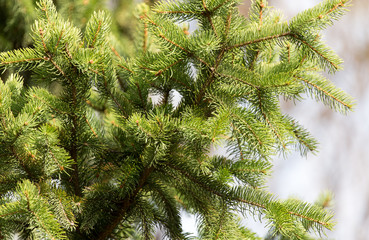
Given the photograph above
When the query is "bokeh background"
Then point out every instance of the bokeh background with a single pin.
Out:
(342, 164)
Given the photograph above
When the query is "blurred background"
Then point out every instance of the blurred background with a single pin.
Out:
(342, 164)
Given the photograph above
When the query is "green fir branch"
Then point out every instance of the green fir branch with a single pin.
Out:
(94, 145)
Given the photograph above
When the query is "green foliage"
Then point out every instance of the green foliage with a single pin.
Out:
(94, 145)
(27, 207)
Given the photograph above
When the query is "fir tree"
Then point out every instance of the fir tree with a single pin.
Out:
(86, 153)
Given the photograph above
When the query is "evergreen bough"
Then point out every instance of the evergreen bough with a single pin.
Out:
(88, 153)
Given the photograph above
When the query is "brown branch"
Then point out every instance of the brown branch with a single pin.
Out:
(174, 12)
(240, 199)
(249, 127)
(94, 71)
(250, 170)
(238, 79)
(55, 160)
(125, 205)
(12, 213)
(313, 49)
(73, 151)
(261, 7)
(88, 123)
(67, 51)
(238, 142)
(124, 114)
(229, 18)
(311, 148)
(182, 48)
(166, 68)
(219, 59)
(47, 104)
(95, 107)
(324, 91)
(60, 70)
(145, 37)
(197, 181)
(175, 44)
(208, 14)
(21, 163)
(251, 203)
(204, 6)
(165, 98)
(220, 5)
(340, 4)
(269, 123)
(46, 13)
(182, 83)
(140, 94)
(210, 80)
(24, 60)
(125, 68)
(308, 218)
(148, 19)
(116, 52)
(34, 213)
(65, 213)
(95, 37)
(259, 40)
(212, 24)
(41, 31)
(60, 36)
(221, 218)
(254, 60)
(289, 212)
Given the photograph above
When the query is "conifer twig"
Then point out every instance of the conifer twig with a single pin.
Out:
(116, 52)
(313, 49)
(125, 205)
(259, 40)
(95, 36)
(140, 94)
(173, 12)
(238, 79)
(268, 121)
(158, 73)
(324, 91)
(220, 5)
(24, 60)
(35, 214)
(228, 24)
(248, 126)
(125, 68)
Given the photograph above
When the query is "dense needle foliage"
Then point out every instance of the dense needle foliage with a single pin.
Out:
(106, 132)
